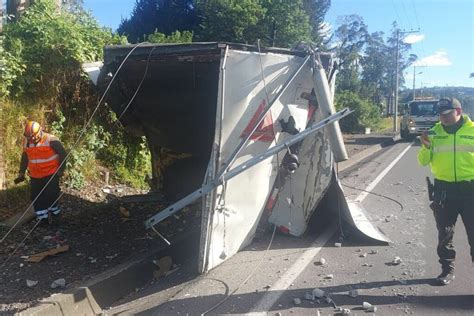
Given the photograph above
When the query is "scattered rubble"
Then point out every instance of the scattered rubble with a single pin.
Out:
(59, 283)
(296, 301)
(353, 293)
(369, 307)
(318, 293)
(395, 262)
(320, 262)
(31, 283)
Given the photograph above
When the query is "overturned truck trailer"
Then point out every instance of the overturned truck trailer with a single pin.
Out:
(238, 129)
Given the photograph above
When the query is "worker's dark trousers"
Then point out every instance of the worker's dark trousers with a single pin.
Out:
(46, 201)
(452, 200)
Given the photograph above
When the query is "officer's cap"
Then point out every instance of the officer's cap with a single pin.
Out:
(446, 105)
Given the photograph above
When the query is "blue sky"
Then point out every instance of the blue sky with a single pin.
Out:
(444, 45)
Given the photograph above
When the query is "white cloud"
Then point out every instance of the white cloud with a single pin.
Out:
(414, 38)
(440, 58)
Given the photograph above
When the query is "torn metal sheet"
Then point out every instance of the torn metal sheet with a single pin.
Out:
(354, 213)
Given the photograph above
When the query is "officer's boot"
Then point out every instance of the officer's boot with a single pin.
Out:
(447, 275)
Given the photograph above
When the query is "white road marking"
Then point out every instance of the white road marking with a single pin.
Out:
(289, 277)
(284, 282)
(372, 185)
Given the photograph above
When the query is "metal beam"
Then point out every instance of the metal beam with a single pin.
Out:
(170, 210)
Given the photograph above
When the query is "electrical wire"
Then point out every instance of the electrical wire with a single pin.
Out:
(81, 134)
(140, 85)
(376, 194)
(246, 279)
(21, 243)
(406, 14)
(228, 295)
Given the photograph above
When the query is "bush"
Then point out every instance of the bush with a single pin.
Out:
(366, 114)
(40, 73)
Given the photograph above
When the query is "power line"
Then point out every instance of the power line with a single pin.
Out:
(406, 14)
(416, 14)
(396, 12)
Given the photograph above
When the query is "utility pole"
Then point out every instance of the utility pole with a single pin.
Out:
(395, 106)
(414, 74)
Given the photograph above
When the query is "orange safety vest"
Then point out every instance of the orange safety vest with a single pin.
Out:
(43, 161)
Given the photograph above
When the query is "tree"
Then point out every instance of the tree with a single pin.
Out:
(163, 16)
(350, 38)
(49, 45)
(229, 21)
(374, 76)
(284, 23)
(316, 10)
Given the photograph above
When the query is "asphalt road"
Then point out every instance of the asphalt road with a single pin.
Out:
(268, 282)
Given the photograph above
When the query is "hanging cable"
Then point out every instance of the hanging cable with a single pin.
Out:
(21, 243)
(81, 134)
(277, 177)
(376, 194)
(247, 278)
(140, 85)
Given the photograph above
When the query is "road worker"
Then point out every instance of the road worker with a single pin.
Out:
(42, 155)
(449, 149)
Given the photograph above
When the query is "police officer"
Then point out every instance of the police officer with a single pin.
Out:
(449, 149)
(43, 155)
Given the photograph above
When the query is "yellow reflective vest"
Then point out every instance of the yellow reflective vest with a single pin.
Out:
(451, 156)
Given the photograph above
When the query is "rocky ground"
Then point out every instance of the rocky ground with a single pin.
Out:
(103, 228)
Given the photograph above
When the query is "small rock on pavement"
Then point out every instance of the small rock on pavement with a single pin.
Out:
(309, 296)
(318, 293)
(58, 283)
(396, 261)
(296, 301)
(31, 283)
(320, 262)
(369, 307)
(344, 311)
(353, 293)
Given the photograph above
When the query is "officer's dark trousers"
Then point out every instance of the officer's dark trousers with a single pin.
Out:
(45, 195)
(452, 200)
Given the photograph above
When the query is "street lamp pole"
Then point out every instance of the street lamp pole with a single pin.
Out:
(414, 76)
(395, 106)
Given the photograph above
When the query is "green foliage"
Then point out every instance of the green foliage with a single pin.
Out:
(231, 21)
(175, 37)
(40, 71)
(284, 23)
(129, 157)
(49, 45)
(81, 163)
(10, 69)
(275, 22)
(163, 16)
(365, 114)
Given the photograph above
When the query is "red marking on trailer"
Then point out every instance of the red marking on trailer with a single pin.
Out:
(264, 131)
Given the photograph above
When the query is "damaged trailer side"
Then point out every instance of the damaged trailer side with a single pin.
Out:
(209, 108)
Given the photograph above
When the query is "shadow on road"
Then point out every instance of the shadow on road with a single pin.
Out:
(237, 303)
